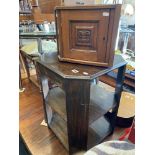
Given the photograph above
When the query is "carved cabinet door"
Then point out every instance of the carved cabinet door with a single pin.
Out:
(84, 35)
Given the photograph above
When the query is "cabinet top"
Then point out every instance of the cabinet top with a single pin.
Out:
(97, 6)
(77, 71)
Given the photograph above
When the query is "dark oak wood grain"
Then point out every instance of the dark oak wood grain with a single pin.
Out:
(66, 70)
(80, 106)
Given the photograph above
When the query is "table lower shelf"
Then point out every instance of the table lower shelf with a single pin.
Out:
(97, 131)
(59, 127)
(101, 101)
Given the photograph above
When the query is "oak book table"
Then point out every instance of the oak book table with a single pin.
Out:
(76, 108)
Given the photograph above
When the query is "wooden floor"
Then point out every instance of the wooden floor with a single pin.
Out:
(39, 139)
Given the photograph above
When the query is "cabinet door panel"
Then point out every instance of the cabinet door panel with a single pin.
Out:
(85, 34)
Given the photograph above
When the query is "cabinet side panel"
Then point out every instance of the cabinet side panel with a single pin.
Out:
(112, 33)
(58, 32)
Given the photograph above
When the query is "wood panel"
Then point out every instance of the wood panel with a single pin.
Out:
(87, 28)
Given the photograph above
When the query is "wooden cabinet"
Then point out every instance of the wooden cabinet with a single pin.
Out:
(76, 108)
(87, 34)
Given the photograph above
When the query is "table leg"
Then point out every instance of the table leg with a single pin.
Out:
(37, 74)
(77, 105)
(39, 46)
(26, 66)
(44, 91)
(118, 91)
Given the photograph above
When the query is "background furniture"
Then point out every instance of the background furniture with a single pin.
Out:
(126, 112)
(110, 79)
(77, 109)
(39, 36)
(87, 34)
(126, 39)
(38, 10)
(27, 59)
(20, 80)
